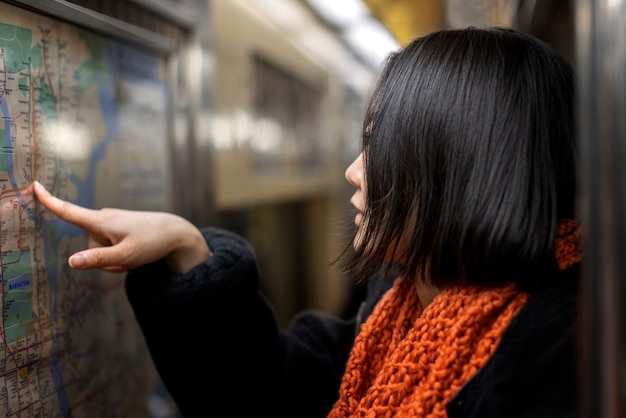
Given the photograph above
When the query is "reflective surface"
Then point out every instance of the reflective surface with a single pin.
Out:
(601, 49)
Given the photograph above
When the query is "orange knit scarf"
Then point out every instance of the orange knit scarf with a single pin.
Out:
(409, 361)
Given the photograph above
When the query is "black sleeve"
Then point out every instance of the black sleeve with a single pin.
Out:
(217, 346)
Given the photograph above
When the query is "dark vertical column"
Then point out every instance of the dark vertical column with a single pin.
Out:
(601, 68)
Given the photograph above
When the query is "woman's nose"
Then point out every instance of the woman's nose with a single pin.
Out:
(354, 172)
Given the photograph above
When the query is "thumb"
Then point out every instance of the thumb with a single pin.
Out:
(105, 258)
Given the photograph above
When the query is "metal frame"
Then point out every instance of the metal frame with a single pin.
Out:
(97, 21)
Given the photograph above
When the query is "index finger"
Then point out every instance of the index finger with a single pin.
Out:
(69, 212)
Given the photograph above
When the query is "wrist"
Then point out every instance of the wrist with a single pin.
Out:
(193, 250)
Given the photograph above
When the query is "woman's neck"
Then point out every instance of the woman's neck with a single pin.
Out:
(426, 293)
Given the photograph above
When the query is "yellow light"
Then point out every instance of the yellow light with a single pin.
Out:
(408, 19)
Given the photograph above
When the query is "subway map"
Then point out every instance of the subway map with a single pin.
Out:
(84, 115)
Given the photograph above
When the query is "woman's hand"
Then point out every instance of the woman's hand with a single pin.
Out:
(120, 240)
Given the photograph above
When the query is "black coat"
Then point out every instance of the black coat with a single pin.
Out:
(217, 346)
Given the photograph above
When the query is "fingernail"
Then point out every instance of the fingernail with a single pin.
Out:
(76, 261)
(39, 186)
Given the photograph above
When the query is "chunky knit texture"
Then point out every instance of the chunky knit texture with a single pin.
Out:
(409, 362)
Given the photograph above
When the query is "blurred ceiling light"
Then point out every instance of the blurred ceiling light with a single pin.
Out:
(371, 41)
(341, 34)
(364, 35)
(615, 4)
(340, 13)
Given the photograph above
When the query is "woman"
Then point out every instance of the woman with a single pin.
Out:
(465, 187)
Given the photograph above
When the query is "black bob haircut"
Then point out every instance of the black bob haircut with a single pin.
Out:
(470, 156)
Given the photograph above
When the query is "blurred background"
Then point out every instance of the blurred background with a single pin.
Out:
(261, 111)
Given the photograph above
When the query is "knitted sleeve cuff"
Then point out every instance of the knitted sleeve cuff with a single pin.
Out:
(231, 271)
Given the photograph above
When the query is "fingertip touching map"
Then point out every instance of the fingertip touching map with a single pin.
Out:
(85, 115)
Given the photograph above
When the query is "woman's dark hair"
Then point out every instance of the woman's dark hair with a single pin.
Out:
(470, 156)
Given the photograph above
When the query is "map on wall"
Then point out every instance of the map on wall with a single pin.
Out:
(85, 115)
